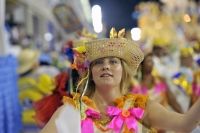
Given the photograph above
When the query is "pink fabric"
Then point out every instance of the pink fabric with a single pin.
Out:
(92, 114)
(196, 89)
(160, 87)
(87, 125)
(118, 120)
(138, 89)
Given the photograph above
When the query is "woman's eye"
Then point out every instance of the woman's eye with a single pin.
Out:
(113, 61)
(97, 62)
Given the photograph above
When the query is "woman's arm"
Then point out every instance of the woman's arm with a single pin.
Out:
(158, 117)
(171, 99)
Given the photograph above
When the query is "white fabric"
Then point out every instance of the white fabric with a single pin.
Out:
(166, 66)
(188, 72)
(196, 130)
(181, 97)
(68, 121)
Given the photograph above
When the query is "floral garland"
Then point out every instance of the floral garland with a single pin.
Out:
(117, 118)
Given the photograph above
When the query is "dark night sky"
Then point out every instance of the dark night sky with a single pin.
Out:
(118, 13)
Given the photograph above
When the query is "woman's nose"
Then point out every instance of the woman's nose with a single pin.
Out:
(106, 66)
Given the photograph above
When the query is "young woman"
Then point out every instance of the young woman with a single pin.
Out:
(105, 105)
(155, 85)
(152, 84)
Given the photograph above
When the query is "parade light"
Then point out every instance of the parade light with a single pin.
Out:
(187, 18)
(97, 18)
(136, 33)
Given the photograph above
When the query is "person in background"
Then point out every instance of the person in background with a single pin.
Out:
(165, 60)
(196, 55)
(196, 73)
(34, 83)
(183, 78)
(152, 84)
(28, 60)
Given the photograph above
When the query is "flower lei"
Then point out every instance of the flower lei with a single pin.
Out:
(118, 116)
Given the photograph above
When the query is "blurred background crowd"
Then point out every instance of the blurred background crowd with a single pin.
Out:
(37, 37)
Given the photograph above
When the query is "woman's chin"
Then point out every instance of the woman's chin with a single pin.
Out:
(107, 85)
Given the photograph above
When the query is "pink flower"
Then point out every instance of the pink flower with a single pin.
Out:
(128, 117)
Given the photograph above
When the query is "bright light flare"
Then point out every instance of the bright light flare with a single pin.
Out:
(136, 33)
(97, 18)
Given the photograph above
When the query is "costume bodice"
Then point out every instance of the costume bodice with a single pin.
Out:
(180, 79)
(183, 89)
(125, 116)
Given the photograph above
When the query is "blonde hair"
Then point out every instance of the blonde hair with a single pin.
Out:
(125, 85)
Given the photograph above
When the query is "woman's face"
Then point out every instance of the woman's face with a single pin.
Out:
(187, 61)
(107, 72)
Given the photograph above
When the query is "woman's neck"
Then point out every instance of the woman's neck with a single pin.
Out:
(147, 80)
(105, 98)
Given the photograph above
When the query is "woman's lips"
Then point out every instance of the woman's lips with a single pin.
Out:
(106, 75)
